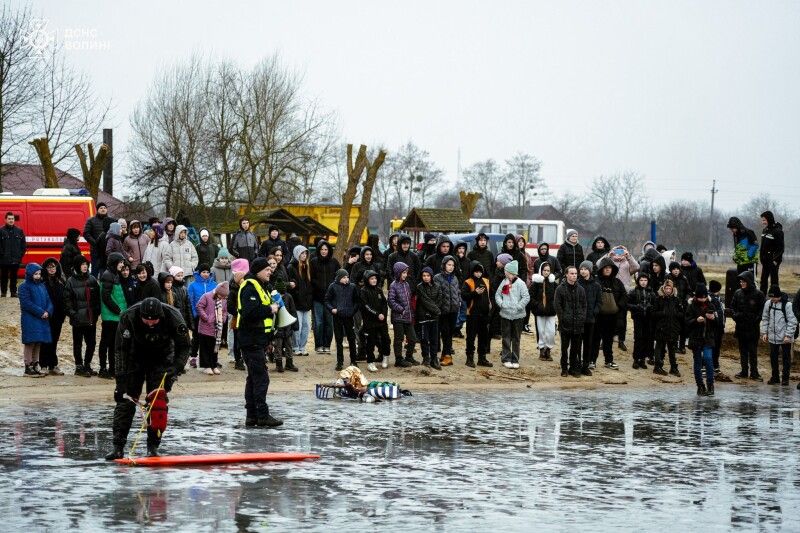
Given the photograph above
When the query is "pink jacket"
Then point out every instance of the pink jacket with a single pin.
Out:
(627, 268)
(206, 316)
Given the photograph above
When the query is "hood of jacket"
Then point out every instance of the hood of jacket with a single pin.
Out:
(328, 257)
(73, 235)
(162, 278)
(178, 229)
(462, 245)
(512, 237)
(735, 223)
(133, 224)
(606, 262)
(404, 237)
(442, 239)
(218, 264)
(645, 250)
(546, 251)
(113, 262)
(748, 278)
(167, 222)
(54, 261)
(475, 266)
(398, 269)
(361, 253)
(447, 258)
(605, 242)
(30, 270)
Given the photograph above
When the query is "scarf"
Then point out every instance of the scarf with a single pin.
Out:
(219, 321)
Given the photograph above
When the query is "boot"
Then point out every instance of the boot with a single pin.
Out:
(250, 421)
(710, 390)
(642, 364)
(470, 361)
(635, 364)
(621, 346)
(547, 356)
(401, 363)
(426, 361)
(435, 364)
(152, 450)
(269, 422)
(660, 371)
(482, 361)
(411, 361)
(674, 372)
(116, 453)
(290, 365)
(701, 390)
(446, 360)
(239, 365)
(279, 364)
(586, 371)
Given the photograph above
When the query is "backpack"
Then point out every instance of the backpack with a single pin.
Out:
(783, 310)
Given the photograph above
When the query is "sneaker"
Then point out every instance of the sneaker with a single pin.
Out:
(586, 371)
(482, 361)
(508, 364)
(385, 362)
(104, 374)
(193, 362)
(372, 368)
(674, 372)
(471, 362)
(217, 371)
(30, 372)
(239, 365)
(305, 354)
(612, 365)
(55, 371)
(446, 360)
(402, 363)
(319, 349)
(410, 359)
(757, 377)
(575, 373)
(592, 366)
(526, 328)
(642, 365)
(79, 370)
(270, 422)
(208, 371)
(515, 366)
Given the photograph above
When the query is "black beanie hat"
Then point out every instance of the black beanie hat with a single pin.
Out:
(101, 204)
(151, 309)
(673, 265)
(714, 286)
(701, 291)
(774, 292)
(203, 267)
(687, 256)
(258, 264)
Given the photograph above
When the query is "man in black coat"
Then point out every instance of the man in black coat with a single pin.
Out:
(482, 254)
(571, 307)
(404, 254)
(746, 309)
(94, 228)
(152, 344)
(12, 249)
(274, 241)
(771, 250)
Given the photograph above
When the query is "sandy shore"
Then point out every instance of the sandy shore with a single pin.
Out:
(320, 369)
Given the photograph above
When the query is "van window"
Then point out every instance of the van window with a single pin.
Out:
(43, 220)
(544, 233)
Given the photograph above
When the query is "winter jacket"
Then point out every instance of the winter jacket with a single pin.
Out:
(484, 256)
(343, 298)
(667, 317)
(520, 256)
(357, 274)
(682, 288)
(244, 245)
(112, 296)
(94, 227)
(70, 251)
(135, 247)
(611, 284)
(597, 254)
(747, 307)
(269, 244)
(570, 306)
(128, 284)
(252, 315)
(33, 303)
(170, 236)
(400, 296)
(180, 252)
(206, 251)
(745, 244)
(569, 255)
(512, 301)
(701, 334)
(778, 320)
(146, 289)
(627, 267)
(323, 272)
(206, 314)
(592, 290)
(640, 302)
(542, 292)
(694, 276)
(220, 272)
(198, 288)
(180, 299)
(450, 289)
(656, 280)
(555, 265)
(154, 254)
(302, 291)
(771, 241)
(392, 248)
(114, 243)
(82, 300)
(373, 303)
(435, 261)
(429, 302)
(411, 260)
(55, 288)
(462, 264)
(647, 258)
(478, 304)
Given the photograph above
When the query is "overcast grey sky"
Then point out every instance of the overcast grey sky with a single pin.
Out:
(682, 91)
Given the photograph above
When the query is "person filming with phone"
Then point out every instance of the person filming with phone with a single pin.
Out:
(627, 266)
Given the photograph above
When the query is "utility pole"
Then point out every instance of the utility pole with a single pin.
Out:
(714, 191)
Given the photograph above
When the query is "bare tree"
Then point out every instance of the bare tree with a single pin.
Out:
(487, 178)
(523, 172)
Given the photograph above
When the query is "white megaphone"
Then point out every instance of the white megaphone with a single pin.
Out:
(285, 318)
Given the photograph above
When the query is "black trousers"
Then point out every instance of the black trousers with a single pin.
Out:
(642, 339)
(8, 278)
(717, 346)
(83, 335)
(622, 323)
(447, 325)
(126, 409)
(403, 331)
(769, 276)
(588, 356)
(48, 358)
(748, 356)
(208, 358)
(429, 339)
(478, 326)
(344, 327)
(376, 336)
(571, 352)
(784, 351)
(108, 334)
(195, 339)
(605, 327)
(237, 350)
(669, 346)
(257, 381)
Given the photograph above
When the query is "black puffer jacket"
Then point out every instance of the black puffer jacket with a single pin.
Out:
(592, 289)
(435, 261)
(611, 283)
(771, 240)
(746, 308)
(596, 254)
(82, 297)
(667, 317)
(55, 288)
(12, 245)
(343, 298)
(70, 251)
(373, 303)
(323, 272)
(409, 258)
(483, 255)
(429, 298)
(362, 265)
(569, 255)
(701, 334)
(96, 226)
(520, 256)
(640, 302)
(570, 305)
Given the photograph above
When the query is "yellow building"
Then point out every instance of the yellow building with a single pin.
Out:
(326, 214)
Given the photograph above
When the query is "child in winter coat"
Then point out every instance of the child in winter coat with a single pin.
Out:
(778, 328)
(497, 278)
(640, 305)
(402, 315)
(429, 310)
(714, 288)
(301, 289)
(374, 311)
(701, 320)
(542, 295)
(341, 299)
(202, 284)
(36, 308)
(282, 341)
(221, 268)
(54, 282)
(112, 304)
(747, 308)
(211, 316)
(70, 251)
(683, 291)
(592, 289)
(450, 303)
(512, 298)
(475, 293)
(613, 298)
(667, 320)
(82, 303)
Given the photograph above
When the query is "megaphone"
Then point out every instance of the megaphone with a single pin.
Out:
(285, 318)
(276, 298)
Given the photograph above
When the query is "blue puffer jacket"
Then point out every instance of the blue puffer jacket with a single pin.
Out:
(33, 302)
(198, 288)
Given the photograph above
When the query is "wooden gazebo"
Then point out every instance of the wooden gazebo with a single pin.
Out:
(423, 219)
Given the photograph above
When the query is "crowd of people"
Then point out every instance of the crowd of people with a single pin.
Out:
(424, 296)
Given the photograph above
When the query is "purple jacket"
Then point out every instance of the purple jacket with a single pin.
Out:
(400, 296)
(206, 318)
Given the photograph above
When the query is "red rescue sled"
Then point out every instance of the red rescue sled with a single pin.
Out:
(215, 459)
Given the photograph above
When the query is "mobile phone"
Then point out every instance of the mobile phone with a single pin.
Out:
(619, 251)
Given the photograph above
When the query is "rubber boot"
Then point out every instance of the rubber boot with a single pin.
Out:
(152, 450)
(116, 453)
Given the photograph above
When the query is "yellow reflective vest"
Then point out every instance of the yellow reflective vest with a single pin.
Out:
(265, 300)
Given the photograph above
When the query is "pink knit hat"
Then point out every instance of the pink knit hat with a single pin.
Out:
(240, 265)
(175, 270)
